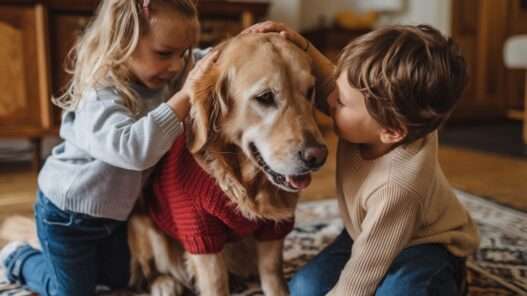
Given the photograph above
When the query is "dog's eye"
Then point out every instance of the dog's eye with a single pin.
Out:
(266, 99)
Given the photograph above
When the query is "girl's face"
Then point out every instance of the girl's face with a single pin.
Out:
(164, 49)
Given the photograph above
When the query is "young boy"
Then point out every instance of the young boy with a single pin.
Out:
(405, 233)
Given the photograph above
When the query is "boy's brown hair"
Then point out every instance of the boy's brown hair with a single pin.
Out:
(411, 77)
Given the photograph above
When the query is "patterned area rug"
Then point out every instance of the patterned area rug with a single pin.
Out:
(499, 268)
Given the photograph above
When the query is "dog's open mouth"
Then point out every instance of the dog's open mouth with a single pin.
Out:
(290, 182)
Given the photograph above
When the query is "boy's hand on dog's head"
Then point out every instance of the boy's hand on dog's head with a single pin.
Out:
(284, 30)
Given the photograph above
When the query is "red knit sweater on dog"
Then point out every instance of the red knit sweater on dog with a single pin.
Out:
(189, 206)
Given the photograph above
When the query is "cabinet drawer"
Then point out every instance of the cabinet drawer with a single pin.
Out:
(21, 98)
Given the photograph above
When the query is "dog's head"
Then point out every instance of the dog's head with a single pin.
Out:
(257, 97)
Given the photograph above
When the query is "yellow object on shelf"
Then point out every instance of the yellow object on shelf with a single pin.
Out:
(352, 20)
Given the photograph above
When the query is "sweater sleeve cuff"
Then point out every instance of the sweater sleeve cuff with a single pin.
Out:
(167, 119)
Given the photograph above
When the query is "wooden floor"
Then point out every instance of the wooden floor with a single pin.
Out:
(498, 177)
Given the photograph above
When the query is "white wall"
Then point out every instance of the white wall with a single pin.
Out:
(316, 13)
(432, 12)
(303, 15)
(287, 11)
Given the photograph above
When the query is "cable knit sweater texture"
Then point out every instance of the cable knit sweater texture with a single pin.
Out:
(398, 200)
(189, 206)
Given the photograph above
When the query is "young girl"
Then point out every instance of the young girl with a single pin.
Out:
(116, 126)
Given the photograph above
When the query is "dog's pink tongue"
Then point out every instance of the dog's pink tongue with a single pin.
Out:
(300, 182)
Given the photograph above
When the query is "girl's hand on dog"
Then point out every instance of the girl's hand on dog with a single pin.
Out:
(180, 102)
(284, 30)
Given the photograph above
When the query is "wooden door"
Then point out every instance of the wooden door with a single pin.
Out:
(515, 78)
(24, 95)
(479, 27)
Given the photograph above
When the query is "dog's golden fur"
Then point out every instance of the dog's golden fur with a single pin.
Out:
(226, 120)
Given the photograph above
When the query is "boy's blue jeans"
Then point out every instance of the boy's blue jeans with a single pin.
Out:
(419, 270)
(78, 253)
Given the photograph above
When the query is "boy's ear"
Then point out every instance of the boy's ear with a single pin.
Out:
(392, 136)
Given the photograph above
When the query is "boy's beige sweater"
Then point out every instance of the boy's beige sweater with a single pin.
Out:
(392, 202)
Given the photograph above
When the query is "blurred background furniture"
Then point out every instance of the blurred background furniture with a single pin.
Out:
(515, 57)
(480, 27)
(25, 108)
(35, 38)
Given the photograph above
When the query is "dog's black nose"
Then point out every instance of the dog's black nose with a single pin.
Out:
(314, 156)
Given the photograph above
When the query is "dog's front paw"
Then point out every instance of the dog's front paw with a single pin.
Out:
(165, 285)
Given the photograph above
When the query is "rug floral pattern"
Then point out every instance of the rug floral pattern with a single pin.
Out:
(499, 267)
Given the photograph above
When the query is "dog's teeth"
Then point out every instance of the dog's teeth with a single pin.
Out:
(279, 179)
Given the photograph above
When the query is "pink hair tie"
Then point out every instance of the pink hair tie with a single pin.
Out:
(146, 3)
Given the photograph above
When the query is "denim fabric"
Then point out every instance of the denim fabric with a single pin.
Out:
(78, 253)
(428, 269)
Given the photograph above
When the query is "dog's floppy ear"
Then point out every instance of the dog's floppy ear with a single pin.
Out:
(208, 105)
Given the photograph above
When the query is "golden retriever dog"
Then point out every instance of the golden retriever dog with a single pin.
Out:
(252, 129)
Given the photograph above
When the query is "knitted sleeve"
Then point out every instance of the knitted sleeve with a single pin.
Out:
(104, 127)
(392, 213)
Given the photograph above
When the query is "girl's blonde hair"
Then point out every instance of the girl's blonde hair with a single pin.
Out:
(99, 56)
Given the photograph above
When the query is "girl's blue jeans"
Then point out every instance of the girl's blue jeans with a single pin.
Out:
(78, 253)
(428, 269)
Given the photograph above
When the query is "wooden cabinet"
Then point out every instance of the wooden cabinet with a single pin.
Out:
(23, 110)
(35, 38)
(24, 79)
(480, 27)
(222, 19)
(515, 79)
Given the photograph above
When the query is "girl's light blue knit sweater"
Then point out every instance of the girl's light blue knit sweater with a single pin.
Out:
(107, 153)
